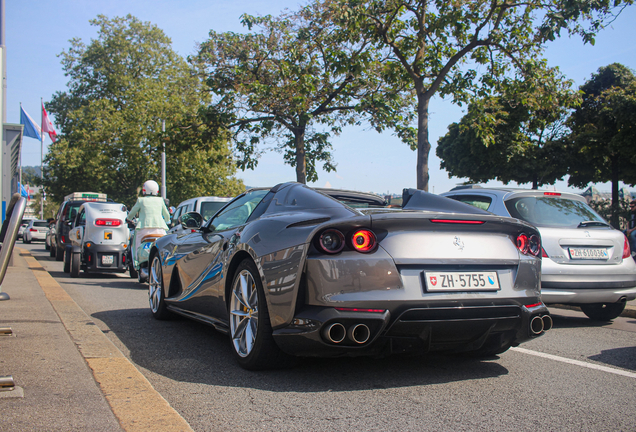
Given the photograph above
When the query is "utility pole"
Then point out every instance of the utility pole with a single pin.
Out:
(163, 163)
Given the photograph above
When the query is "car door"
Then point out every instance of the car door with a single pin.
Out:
(203, 255)
(76, 233)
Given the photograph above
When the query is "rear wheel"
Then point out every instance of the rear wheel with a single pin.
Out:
(131, 266)
(250, 329)
(603, 311)
(52, 250)
(75, 264)
(59, 253)
(156, 294)
(67, 261)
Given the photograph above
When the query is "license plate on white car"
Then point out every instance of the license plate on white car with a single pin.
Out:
(461, 281)
(589, 253)
(107, 259)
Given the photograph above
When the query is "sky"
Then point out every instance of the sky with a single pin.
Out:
(38, 31)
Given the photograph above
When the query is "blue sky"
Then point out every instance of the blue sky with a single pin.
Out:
(37, 31)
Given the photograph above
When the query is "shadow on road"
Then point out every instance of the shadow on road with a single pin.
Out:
(187, 351)
(620, 357)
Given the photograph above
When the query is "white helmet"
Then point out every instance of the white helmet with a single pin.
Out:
(150, 188)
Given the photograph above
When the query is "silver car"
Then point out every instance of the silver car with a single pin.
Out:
(586, 262)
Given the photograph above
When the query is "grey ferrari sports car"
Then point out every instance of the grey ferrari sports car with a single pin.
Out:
(291, 271)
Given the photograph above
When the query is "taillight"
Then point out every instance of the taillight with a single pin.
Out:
(627, 253)
(331, 241)
(33, 230)
(363, 240)
(458, 221)
(107, 222)
(63, 239)
(544, 254)
(344, 309)
(552, 193)
(522, 243)
(529, 245)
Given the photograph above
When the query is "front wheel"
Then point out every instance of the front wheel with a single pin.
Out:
(75, 264)
(156, 294)
(250, 329)
(603, 311)
(67, 261)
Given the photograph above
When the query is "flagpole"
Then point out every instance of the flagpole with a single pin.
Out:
(42, 162)
(20, 164)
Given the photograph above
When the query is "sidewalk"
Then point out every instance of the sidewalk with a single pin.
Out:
(55, 389)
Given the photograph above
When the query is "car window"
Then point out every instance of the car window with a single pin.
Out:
(42, 224)
(175, 216)
(209, 208)
(482, 202)
(238, 211)
(551, 211)
(81, 218)
(71, 211)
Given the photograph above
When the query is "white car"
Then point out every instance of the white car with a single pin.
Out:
(585, 262)
(35, 230)
(205, 206)
(98, 239)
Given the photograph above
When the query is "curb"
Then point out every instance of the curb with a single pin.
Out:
(132, 398)
(629, 312)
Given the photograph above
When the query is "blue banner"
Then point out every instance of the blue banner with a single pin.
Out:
(31, 128)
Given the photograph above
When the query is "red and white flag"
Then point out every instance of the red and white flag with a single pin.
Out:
(47, 126)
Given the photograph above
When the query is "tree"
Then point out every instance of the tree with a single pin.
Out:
(604, 132)
(461, 48)
(122, 86)
(516, 135)
(298, 80)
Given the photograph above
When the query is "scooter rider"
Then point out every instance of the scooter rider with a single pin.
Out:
(152, 212)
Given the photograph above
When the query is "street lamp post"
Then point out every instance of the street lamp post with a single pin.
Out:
(163, 163)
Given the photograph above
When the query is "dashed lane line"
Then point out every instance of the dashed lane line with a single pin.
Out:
(133, 400)
(575, 362)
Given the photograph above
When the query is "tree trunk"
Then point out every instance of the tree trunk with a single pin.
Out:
(423, 146)
(535, 181)
(615, 204)
(301, 164)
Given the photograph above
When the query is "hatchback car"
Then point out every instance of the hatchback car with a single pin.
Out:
(586, 262)
(35, 230)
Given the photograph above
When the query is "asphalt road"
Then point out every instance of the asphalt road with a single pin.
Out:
(580, 376)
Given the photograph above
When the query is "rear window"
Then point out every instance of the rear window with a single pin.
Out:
(551, 211)
(481, 202)
(209, 209)
(43, 224)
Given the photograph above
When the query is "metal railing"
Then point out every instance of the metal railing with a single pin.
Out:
(9, 236)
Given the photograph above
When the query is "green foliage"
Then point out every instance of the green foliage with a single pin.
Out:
(463, 48)
(122, 85)
(604, 131)
(296, 80)
(31, 175)
(516, 135)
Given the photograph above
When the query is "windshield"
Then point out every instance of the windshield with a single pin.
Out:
(209, 208)
(552, 211)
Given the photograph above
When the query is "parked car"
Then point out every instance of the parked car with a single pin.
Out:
(23, 226)
(205, 206)
(289, 271)
(99, 238)
(586, 262)
(66, 214)
(35, 230)
(50, 238)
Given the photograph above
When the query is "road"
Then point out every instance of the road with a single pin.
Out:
(580, 376)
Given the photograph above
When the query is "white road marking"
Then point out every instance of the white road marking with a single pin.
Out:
(575, 362)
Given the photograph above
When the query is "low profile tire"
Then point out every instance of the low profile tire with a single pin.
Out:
(603, 311)
(156, 294)
(67, 262)
(75, 264)
(250, 329)
(59, 253)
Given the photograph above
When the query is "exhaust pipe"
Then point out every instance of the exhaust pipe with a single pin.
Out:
(547, 322)
(536, 325)
(359, 333)
(335, 333)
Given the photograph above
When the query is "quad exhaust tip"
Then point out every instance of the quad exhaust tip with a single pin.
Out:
(357, 333)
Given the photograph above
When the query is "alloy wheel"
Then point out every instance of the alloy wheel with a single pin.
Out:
(155, 285)
(244, 313)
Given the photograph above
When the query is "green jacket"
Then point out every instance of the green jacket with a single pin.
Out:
(152, 213)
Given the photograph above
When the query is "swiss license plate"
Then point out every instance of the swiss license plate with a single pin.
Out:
(107, 259)
(461, 281)
(589, 253)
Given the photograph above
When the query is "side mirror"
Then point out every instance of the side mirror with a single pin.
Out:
(191, 220)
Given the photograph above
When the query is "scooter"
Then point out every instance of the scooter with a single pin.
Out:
(138, 259)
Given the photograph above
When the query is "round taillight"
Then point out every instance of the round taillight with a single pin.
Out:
(534, 245)
(522, 243)
(363, 240)
(331, 241)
